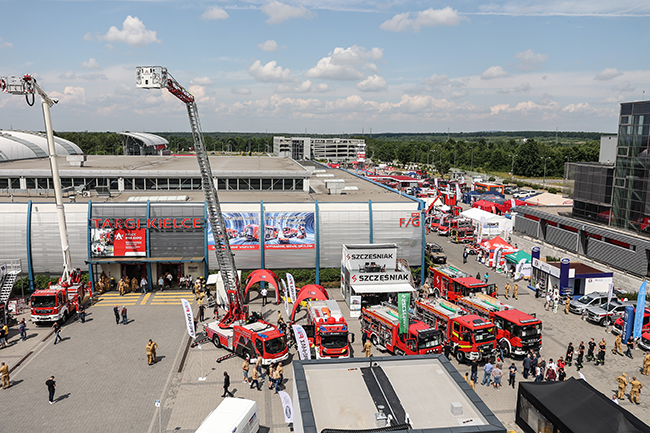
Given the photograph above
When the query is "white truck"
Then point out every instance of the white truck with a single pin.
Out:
(233, 415)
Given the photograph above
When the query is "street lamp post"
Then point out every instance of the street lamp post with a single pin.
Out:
(512, 166)
(545, 158)
(472, 159)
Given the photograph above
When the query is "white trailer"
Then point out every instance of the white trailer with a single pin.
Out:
(233, 415)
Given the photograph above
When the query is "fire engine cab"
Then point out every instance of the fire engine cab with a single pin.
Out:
(470, 336)
(57, 303)
(327, 330)
(452, 283)
(380, 323)
(521, 331)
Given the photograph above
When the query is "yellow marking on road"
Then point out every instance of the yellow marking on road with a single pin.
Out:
(112, 304)
(145, 299)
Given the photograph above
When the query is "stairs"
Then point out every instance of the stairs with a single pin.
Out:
(13, 270)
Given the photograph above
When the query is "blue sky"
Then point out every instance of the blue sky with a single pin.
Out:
(329, 66)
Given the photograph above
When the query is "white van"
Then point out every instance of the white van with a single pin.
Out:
(233, 415)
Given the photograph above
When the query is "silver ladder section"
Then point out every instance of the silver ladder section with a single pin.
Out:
(13, 270)
(222, 245)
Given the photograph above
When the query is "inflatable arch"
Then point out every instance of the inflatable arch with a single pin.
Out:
(310, 291)
(266, 276)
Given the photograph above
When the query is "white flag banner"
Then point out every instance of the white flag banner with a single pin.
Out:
(286, 298)
(512, 203)
(458, 194)
(287, 407)
(292, 287)
(610, 293)
(435, 181)
(187, 310)
(302, 342)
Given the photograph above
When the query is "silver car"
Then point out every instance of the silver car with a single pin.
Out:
(607, 314)
(594, 299)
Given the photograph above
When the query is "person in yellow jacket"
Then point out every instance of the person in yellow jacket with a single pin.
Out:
(636, 388)
(567, 304)
(617, 345)
(368, 348)
(646, 364)
(151, 352)
(120, 286)
(4, 371)
(507, 289)
(622, 383)
(515, 291)
(135, 285)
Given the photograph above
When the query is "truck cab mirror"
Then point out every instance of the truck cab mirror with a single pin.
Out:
(351, 337)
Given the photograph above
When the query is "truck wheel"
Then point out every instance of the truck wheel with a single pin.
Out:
(399, 352)
(436, 293)
(460, 356)
(605, 321)
(215, 340)
(374, 341)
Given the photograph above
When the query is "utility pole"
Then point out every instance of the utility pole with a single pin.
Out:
(512, 166)
(472, 159)
(545, 158)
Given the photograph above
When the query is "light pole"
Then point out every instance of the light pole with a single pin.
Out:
(545, 158)
(472, 159)
(512, 166)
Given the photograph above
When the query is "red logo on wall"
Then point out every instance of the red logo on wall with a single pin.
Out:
(129, 242)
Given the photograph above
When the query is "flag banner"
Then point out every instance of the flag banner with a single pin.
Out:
(292, 287)
(187, 310)
(403, 302)
(286, 298)
(302, 342)
(287, 407)
(640, 309)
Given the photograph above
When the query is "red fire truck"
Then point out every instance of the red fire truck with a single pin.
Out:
(327, 330)
(58, 302)
(380, 323)
(645, 327)
(521, 331)
(452, 283)
(251, 232)
(470, 336)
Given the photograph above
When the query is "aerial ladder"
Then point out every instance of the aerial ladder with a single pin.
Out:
(157, 77)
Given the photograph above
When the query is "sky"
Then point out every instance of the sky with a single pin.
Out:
(329, 66)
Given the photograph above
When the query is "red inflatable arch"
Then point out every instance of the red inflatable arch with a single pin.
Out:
(266, 276)
(310, 291)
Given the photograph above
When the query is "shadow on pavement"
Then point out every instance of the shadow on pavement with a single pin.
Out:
(62, 397)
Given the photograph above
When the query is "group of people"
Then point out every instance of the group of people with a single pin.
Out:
(254, 375)
(122, 313)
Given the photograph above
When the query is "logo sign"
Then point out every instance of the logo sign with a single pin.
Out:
(412, 221)
(302, 342)
(403, 301)
(189, 319)
(286, 406)
(157, 403)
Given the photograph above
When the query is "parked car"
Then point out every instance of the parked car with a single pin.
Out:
(524, 193)
(435, 253)
(607, 314)
(511, 190)
(594, 299)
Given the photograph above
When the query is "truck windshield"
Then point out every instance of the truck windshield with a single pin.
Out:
(275, 345)
(585, 299)
(334, 341)
(482, 335)
(427, 340)
(529, 331)
(43, 301)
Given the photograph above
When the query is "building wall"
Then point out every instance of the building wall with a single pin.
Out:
(608, 149)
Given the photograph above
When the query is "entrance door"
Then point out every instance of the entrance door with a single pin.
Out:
(175, 269)
(134, 271)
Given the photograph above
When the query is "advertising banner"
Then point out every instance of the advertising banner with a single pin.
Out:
(302, 342)
(287, 407)
(118, 242)
(355, 306)
(370, 260)
(640, 309)
(243, 231)
(403, 301)
(286, 298)
(289, 230)
(292, 287)
(189, 319)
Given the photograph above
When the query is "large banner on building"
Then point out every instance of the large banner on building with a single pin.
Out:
(243, 231)
(289, 230)
(119, 242)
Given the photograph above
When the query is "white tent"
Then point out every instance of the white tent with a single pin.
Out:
(492, 225)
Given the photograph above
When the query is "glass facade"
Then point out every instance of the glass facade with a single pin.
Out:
(631, 207)
(592, 196)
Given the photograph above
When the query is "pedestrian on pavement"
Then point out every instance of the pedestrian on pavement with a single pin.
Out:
(527, 364)
(602, 346)
(51, 384)
(636, 388)
(469, 381)
(539, 374)
(226, 385)
(547, 304)
(497, 374)
(630, 347)
(57, 332)
(590, 351)
(161, 283)
(556, 302)
(646, 364)
(485, 278)
(124, 317)
(581, 355)
(216, 311)
(277, 378)
(259, 368)
(447, 349)
(507, 289)
(614, 399)
(82, 314)
(622, 383)
(478, 276)
(368, 348)
(3, 337)
(617, 345)
(515, 291)
(245, 367)
(23, 330)
(569, 354)
(116, 311)
(503, 347)
(255, 379)
(201, 312)
(550, 374)
(4, 371)
(487, 373)
(567, 304)
(271, 376)
(538, 290)
(561, 375)
(151, 352)
(143, 285)
(511, 378)
(474, 368)
(264, 293)
(465, 254)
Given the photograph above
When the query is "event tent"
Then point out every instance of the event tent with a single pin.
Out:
(519, 264)
(497, 249)
(492, 225)
(485, 205)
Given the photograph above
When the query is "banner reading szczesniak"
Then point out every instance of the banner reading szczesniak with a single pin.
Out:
(302, 342)
(187, 311)
(403, 301)
(292, 287)
(287, 407)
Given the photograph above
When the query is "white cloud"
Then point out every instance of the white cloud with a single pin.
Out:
(607, 74)
(305, 87)
(91, 64)
(427, 18)
(529, 60)
(523, 87)
(456, 95)
(494, 72)
(567, 8)
(240, 91)
(93, 77)
(133, 33)
(269, 45)
(280, 12)
(582, 107)
(373, 83)
(436, 80)
(4, 44)
(202, 81)
(625, 86)
(71, 95)
(270, 73)
(215, 13)
(70, 75)
(503, 91)
(342, 63)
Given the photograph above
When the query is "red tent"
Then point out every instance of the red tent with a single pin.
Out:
(509, 204)
(491, 246)
(267, 276)
(310, 291)
(486, 206)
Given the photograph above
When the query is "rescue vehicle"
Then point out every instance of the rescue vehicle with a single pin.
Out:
(644, 342)
(452, 283)
(327, 330)
(59, 301)
(380, 323)
(470, 336)
(521, 331)
(618, 324)
(251, 232)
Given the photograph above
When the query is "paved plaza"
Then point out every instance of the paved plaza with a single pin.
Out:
(104, 383)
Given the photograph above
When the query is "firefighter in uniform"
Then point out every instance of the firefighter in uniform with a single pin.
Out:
(602, 348)
(120, 286)
(622, 383)
(367, 347)
(646, 364)
(515, 291)
(135, 285)
(4, 371)
(636, 388)
(151, 352)
(566, 305)
(617, 345)
(507, 289)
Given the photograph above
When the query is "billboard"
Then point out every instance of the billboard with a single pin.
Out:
(243, 230)
(289, 230)
(118, 242)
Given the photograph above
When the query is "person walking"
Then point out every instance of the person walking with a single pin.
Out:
(550, 375)
(487, 373)
(368, 348)
(245, 367)
(474, 368)
(602, 347)
(82, 314)
(255, 379)
(630, 347)
(556, 301)
(226, 385)
(511, 378)
(57, 332)
(569, 354)
(646, 364)
(151, 352)
(561, 374)
(264, 294)
(161, 283)
(636, 388)
(515, 291)
(497, 374)
(507, 289)
(469, 381)
(590, 351)
(539, 374)
(485, 278)
(124, 316)
(622, 383)
(201, 312)
(548, 299)
(143, 285)
(51, 385)
(271, 376)
(23, 330)
(527, 364)
(277, 378)
(503, 347)
(567, 304)
(4, 371)
(617, 345)
(116, 311)
(465, 254)
(581, 355)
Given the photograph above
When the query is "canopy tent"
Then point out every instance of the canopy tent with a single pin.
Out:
(519, 264)
(263, 275)
(496, 249)
(509, 204)
(487, 206)
(488, 224)
(571, 406)
(310, 291)
(469, 196)
(518, 256)
(496, 242)
(548, 199)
